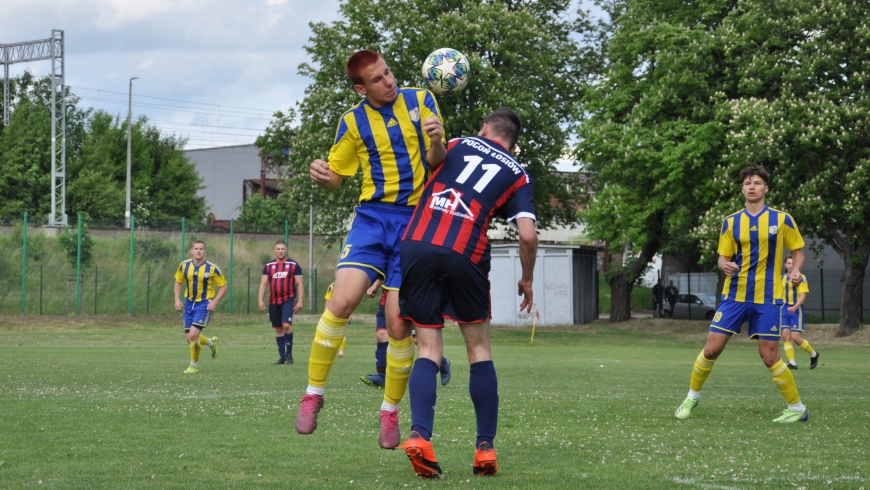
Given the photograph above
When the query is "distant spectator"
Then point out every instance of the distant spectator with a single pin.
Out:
(657, 291)
(671, 294)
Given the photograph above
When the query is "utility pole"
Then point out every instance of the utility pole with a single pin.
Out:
(129, 133)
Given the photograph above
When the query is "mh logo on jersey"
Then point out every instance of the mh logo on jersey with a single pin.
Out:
(449, 201)
(279, 275)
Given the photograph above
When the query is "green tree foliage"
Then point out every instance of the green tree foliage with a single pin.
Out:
(652, 134)
(524, 55)
(265, 214)
(25, 146)
(801, 111)
(69, 243)
(164, 183)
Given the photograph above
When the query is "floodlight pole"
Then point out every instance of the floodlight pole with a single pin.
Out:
(129, 133)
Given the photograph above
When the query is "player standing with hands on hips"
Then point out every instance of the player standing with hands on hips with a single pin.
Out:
(397, 137)
(200, 277)
(446, 263)
(750, 254)
(283, 278)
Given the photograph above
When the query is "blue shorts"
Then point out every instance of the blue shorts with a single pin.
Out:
(196, 314)
(282, 313)
(793, 321)
(763, 319)
(374, 240)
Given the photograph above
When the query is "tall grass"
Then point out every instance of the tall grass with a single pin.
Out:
(105, 287)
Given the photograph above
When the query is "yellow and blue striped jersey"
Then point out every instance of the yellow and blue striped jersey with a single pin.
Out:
(791, 291)
(390, 145)
(755, 243)
(200, 280)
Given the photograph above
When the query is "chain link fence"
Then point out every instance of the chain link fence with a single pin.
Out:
(103, 268)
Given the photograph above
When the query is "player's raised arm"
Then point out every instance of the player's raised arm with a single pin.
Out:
(727, 266)
(323, 176)
(437, 152)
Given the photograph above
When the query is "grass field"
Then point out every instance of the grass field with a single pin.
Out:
(101, 403)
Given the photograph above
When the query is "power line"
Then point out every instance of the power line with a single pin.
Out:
(173, 108)
(177, 100)
(200, 125)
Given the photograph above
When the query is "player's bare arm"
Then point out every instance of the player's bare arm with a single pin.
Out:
(323, 176)
(178, 304)
(528, 253)
(727, 266)
(801, 298)
(437, 152)
(220, 294)
(797, 257)
(264, 283)
(300, 293)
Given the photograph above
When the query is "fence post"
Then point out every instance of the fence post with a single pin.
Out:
(96, 284)
(24, 268)
(40, 289)
(822, 286)
(79, 269)
(130, 291)
(232, 235)
(148, 294)
(689, 293)
(249, 292)
(286, 232)
(183, 229)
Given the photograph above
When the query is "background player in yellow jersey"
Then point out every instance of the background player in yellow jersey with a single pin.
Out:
(750, 254)
(200, 278)
(793, 317)
(396, 136)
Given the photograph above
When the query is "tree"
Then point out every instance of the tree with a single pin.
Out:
(25, 146)
(523, 54)
(651, 133)
(266, 214)
(802, 112)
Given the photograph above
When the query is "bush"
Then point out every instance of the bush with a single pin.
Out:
(69, 243)
(153, 248)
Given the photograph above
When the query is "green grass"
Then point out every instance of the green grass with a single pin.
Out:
(102, 403)
(106, 285)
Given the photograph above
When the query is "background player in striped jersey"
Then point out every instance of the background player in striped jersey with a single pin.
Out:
(750, 254)
(445, 261)
(283, 277)
(793, 317)
(396, 136)
(200, 278)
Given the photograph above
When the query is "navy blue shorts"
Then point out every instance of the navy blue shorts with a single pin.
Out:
(282, 313)
(373, 242)
(440, 283)
(793, 321)
(196, 314)
(763, 319)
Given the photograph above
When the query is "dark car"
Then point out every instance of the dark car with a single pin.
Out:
(703, 306)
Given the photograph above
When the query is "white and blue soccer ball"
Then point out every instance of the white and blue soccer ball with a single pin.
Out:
(446, 71)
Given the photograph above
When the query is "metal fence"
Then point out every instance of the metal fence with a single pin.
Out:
(131, 271)
(822, 303)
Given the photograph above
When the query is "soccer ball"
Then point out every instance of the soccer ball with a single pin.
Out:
(446, 70)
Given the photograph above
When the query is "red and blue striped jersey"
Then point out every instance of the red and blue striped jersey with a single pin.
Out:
(282, 279)
(478, 180)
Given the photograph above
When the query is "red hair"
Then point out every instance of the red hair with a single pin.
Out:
(359, 62)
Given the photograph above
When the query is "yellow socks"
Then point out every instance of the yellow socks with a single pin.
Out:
(702, 369)
(343, 343)
(194, 351)
(203, 340)
(788, 347)
(784, 380)
(400, 358)
(328, 336)
(807, 348)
